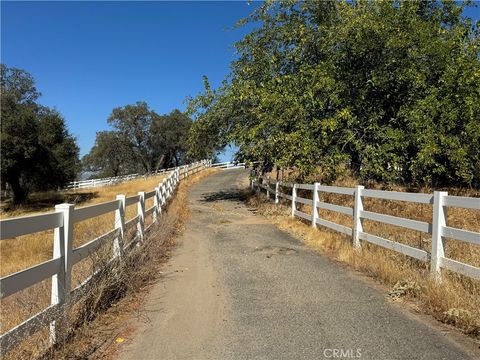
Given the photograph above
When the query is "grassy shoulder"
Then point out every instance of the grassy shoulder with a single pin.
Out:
(455, 301)
(98, 319)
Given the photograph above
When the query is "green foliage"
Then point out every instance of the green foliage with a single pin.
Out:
(37, 151)
(170, 134)
(60, 162)
(389, 89)
(110, 156)
(208, 134)
(142, 141)
(134, 123)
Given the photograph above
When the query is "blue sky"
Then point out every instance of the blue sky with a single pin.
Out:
(89, 57)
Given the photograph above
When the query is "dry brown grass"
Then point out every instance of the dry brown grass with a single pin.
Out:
(456, 300)
(137, 269)
(28, 250)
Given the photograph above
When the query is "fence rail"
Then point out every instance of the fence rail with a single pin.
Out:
(91, 183)
(229, 165)
(59, 268)
(438, 228)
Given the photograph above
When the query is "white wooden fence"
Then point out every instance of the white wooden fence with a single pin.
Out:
(229, 165)
(92, 183)
(59, 268)
(438, 228)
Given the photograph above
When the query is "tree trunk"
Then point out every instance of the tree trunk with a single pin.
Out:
(19, 193)
(159, 162)
(176, 158)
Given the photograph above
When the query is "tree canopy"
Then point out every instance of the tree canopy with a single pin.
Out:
(37, 151)
(387, 89)
(133, 122)
(170, 135)
(110, 156)
(142, 141)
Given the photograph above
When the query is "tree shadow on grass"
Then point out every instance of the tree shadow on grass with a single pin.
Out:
(47, 200)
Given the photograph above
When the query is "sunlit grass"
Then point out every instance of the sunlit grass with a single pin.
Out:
(28, 250)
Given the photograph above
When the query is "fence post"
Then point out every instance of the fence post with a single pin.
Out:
(167, 189)
(61, 282)
(277, 191)
(315, 200)
(119, 224)
(156, 205)
(141, 213)
(438, 222)
(159, 199)
(164, 193)
(294, 198)
(268, 187)
(357, 220)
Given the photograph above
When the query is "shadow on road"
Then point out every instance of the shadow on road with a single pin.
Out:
(230, 195)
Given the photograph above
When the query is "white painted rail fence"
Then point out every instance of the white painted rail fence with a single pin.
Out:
(438, 228)
(229, 165)
(59, 268)
(92, 183)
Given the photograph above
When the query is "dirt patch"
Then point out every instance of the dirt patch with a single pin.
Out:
(218, 207)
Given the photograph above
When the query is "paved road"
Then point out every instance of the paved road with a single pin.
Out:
(238, 288)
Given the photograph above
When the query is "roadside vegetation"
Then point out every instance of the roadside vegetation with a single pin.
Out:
(121, 285)
(455, 301)
(385, 90)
